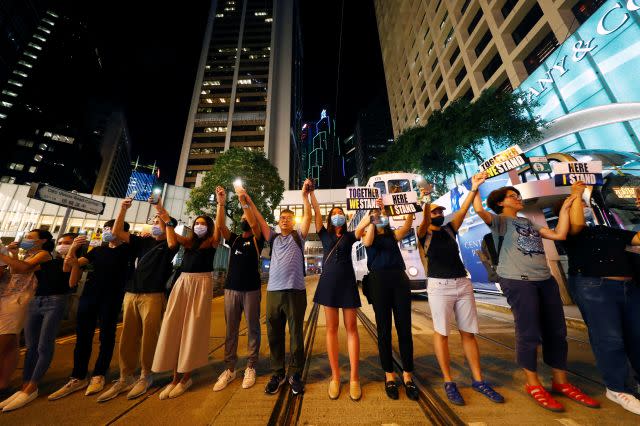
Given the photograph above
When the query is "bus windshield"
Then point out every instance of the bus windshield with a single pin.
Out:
(399, 185)
(409, 242)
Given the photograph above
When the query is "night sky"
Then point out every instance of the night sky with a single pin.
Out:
(150, 54)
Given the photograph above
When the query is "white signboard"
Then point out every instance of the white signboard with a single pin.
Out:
(568, 173)
(53, 195)
(401, 203)
(361, 197)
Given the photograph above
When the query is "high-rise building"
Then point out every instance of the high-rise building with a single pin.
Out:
(321, 153)
(47, 116)
(576, 59)
(111, 134)
(247, 89)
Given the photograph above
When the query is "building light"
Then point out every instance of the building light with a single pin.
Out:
(32, 169)
(244, 81)
(21, 73)
(223, 100)
(207, 67)
(31, 55)
(50, 13)
(6, 104)
(25, 64)
(35, 46)
(237, 100)
(219, 15)
(9, 93)
(43, 29)
(38, 157)
(268, 19)
(43, 146)
(229, 9)
(209, 101)
(261, 13)
(3, 115)
(204, 92)
(39, 37)
(48, 134)
(47, 21)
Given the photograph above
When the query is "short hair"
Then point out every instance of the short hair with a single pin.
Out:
(498, 196)
(68, 234)
(291, 212)
(110, 223)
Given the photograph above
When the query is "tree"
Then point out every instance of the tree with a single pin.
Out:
(457, 133)
(259, 177)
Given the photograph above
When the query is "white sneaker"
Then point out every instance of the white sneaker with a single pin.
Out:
(95, 386)
(180, 388)
(224, 379)
(140, 387)
(20, 401)
(166, 391)
(249, 378)
(72, 386)
(121, 385)
(626, 400)
(8, 400)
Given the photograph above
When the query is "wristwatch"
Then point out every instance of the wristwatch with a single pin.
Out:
(172, 222)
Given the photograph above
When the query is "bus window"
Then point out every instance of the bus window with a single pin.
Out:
(381, 187)
(409, 242)
(399, 185)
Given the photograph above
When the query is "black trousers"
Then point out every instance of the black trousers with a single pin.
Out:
(91, 309)
(391, 296)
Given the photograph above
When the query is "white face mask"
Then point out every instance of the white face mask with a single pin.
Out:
(63, 249)
(200, 230)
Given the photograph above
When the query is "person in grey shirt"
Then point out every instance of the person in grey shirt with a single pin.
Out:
(532, 292)
(286, 294)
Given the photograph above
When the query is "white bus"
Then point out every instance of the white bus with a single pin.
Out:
(388, 182)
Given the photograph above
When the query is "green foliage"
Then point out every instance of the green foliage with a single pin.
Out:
(456, 134)
(259, 177)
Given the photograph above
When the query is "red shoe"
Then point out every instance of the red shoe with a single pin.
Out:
(574, 393)
(543, 398)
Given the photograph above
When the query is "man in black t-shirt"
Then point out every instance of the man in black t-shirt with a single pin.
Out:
(601, 281)
(143, 301)
(242, 290)
(101, 301)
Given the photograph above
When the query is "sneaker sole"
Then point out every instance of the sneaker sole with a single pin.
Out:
(615, 400)
(277, 389)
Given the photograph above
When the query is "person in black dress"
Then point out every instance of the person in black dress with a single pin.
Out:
(337, 289)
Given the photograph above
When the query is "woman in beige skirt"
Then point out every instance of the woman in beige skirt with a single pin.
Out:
(183, 344)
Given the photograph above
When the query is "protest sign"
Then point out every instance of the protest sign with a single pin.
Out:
(401, 203)
(568, 173)
(362, 197)
(504, 161)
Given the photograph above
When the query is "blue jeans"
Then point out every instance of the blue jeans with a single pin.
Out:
(40, 331)
(611, 310)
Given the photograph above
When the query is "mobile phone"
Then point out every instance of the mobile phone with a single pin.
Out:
(132, 195)
(19, 237)
(82, 232)
(237, 184)
(155, 196)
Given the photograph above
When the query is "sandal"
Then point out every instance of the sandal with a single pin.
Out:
(451, 389)
(543, 398)
(484, 388)
(391, 388)
(572, 392)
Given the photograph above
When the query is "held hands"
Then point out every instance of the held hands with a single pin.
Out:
(380, 204)
(13, 247)
(477, 180)
(566, 205)
(578, 188)
(306, 187)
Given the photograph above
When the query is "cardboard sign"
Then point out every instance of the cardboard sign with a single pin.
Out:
(362, 197)
(540, 165)
(509, 159)
(401, 203)
(568, 173)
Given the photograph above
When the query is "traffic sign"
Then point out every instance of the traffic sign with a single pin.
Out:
(53, 195)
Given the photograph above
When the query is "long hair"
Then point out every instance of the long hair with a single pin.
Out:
(331, 229)
(49, 244)
(197, 241)
(387, 228)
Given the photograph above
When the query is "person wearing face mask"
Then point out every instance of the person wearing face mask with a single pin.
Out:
(15, 294)
(337, 289)
(144, 300)
(46, 310)
(183, 344)
(390, 293)
(241, 290)
(602, 284)
(100, 302)
(532, 292)
(451, 294)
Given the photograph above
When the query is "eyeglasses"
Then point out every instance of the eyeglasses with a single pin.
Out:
(515, 196)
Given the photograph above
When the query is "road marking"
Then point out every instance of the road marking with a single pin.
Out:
(568, 422)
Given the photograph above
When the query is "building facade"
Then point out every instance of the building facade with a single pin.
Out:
(576, 58)
(247, 88)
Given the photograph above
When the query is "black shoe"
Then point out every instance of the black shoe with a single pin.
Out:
(391, 388)
(411, 390)
(274, 384)
(296, 384)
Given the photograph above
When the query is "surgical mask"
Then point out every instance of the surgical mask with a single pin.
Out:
(338, 219)
(27, 244)
(107, 236)
(63, 249)
(156, 230)
(437, 221)
(244, 226)
(384, 221)
(200, 230)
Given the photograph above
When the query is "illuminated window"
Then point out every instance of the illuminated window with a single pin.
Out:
(35, 46)
(260, 13)
(7, 179)
(47, 21)
(38, 157)
(32, 169)
(245, 81)
(25, 63)
(20, 73)
(50, 13)
(15, 83)
(223, 100)
(31, 55)
(209, 100)
(6, 104)
(3, 115)
(39, 37)
(24, 142)
(16, 166)
(219, 15)
(229, 9)
(43, 146)
(9, 93)
(43, 29)
(268, 20)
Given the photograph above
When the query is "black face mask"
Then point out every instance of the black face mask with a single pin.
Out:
(437, 221)
(244, 225)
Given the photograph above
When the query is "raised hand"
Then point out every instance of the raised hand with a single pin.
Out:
(578, 188)
(221, 195)
(566, 205)
(477, 180)
(380, 204)
(126, 203)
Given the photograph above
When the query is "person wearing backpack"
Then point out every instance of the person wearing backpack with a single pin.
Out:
(241, 290)
(286, 293)
(451, 293)
(532, 292)
(601, 281)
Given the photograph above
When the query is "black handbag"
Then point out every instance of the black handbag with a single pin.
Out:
(172, 280)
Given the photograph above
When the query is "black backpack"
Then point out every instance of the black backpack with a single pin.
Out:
(488, 254)
(299, 242)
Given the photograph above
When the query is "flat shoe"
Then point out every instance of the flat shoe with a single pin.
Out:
(166, 391)
(391, 388)
(411, 390)
(20, 401)
(355, 391)
(8, 400)
(334, 389)
(180, 389)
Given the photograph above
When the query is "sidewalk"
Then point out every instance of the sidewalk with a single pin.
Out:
(499, 303)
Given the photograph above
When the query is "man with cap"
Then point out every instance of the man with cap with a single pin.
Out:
(451, 293)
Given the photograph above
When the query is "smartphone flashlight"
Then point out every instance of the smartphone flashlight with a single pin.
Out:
(155, 197)
(19, 236)
(237, 184)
